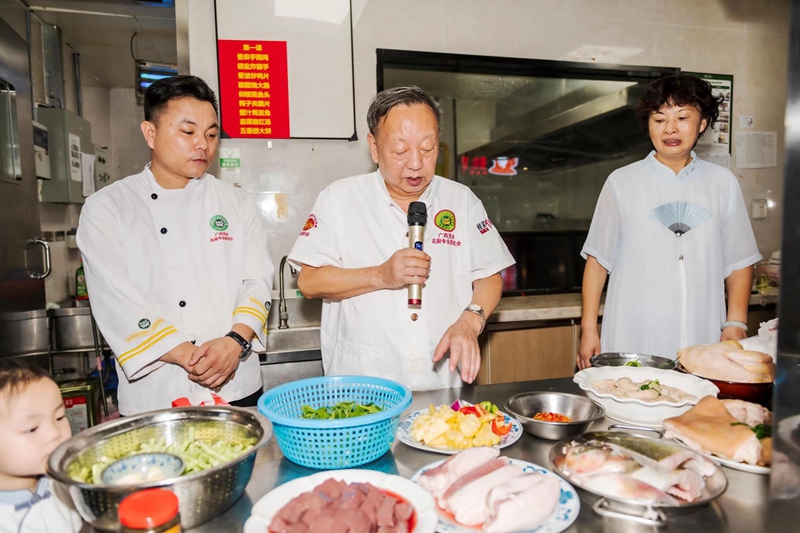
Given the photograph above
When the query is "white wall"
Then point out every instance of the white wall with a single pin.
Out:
(130, 153)
(746, 39)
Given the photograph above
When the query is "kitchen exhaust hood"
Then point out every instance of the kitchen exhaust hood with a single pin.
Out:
(579, 128)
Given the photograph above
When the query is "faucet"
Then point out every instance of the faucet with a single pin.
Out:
(283, 312)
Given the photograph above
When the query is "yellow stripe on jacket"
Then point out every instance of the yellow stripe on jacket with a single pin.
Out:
(253, 312)
(261, 306)
(159, 336)
(146, 333)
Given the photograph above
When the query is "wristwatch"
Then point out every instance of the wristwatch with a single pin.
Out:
(478, 310)
(246, 346)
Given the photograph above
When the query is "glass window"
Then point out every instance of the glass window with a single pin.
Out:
(535, 141)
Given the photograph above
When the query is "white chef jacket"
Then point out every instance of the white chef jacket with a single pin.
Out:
(356, 224)
(166, 266)
(643, 304)
(40, 511)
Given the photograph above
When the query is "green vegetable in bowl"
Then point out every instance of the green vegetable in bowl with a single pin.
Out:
(197, 455)
(633, 363)
(341, 410)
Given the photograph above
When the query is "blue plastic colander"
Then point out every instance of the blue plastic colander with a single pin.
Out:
(329, 444)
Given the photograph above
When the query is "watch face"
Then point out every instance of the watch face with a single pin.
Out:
(475, 307)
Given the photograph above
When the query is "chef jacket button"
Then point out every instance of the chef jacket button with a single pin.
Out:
(163, 231)
(414, 317)
(154, 196)
(193, 342)
(182, 303)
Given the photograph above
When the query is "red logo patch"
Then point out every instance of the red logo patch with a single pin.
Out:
(310, 224)
(485, 226)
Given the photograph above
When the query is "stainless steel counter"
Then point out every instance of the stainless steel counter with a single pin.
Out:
(741, 509)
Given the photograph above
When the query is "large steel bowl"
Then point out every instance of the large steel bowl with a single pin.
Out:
(583, 412)
(202, 495)
(623, 358)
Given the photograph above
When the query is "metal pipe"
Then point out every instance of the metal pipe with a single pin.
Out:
(76, 64)
(283, 311)
(29, 36)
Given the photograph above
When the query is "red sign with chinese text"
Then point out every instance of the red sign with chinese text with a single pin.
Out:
(253, 89)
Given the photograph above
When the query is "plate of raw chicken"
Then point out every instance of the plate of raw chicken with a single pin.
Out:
(642, 472)
(737, 434)
(345, 500)
(479, 490)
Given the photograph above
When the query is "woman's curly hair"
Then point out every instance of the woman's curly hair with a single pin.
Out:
(680, 90)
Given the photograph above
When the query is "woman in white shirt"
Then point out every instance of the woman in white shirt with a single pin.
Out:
(674, 234)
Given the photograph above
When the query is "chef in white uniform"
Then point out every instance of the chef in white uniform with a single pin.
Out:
(674, 234)
(353, 252)
(177, 262)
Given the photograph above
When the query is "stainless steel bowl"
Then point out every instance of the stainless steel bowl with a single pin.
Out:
(621, 359)
(580, 409)
(202, 495)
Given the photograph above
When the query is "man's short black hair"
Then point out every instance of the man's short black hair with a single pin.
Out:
(680, 90)
(160, 92)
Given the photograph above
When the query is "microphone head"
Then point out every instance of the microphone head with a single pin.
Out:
(417, 214)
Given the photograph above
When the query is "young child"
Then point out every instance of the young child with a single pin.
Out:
(32, 424)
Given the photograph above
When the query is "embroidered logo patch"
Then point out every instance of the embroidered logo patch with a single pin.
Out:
(218, 223)
(144, 323)
(446, 220)
(310, 224)
(485, 226)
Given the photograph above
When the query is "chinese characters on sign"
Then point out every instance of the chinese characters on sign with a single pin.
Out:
(254, 89)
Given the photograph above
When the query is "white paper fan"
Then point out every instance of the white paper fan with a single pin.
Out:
(679, 217)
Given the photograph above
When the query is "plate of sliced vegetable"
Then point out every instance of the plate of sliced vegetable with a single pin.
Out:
(448, 429)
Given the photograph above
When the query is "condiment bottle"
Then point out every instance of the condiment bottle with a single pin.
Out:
(150, 511)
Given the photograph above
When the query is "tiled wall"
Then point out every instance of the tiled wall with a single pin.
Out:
(748, 39)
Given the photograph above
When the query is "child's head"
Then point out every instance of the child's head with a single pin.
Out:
(32, 420)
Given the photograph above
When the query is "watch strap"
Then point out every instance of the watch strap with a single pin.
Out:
(246, 346)
(480, 313)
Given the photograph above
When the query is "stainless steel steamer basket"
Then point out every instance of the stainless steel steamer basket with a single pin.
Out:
(202, 495)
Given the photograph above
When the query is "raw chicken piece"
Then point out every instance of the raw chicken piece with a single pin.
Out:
(727, 361)
(438, 480)
(468, 503)
(625, 486)
(469, 477)
(748, 413)
(707, 427)
(522, 503)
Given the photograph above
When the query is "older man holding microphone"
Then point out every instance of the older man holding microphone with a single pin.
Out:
(355, 252)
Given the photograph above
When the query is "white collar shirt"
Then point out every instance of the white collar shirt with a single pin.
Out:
(37, 511)
(356, 224)
(166, 266)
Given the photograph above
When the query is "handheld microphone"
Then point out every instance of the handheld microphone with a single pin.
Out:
(417, 218)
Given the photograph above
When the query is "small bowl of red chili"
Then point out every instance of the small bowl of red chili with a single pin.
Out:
(554, 415)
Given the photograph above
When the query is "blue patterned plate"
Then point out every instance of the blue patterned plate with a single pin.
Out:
(566, 512)
(404, 434)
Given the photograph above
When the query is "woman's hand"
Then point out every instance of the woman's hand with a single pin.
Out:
(732, 333)
(590, 345)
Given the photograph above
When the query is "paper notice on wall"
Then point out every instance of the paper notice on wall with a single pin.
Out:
(757, 149)
(87, 173)
(723, 160)
(74, 157)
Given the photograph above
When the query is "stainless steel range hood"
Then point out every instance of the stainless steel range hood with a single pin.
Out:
(579, 128)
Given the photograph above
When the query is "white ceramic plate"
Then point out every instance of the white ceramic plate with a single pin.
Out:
(744, 467)
(566, 512)
(639, 412)
(268, 506)
(404, 434)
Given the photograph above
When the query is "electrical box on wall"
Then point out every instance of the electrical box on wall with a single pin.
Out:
(102, 167)
(68, 137)
(41, 148)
